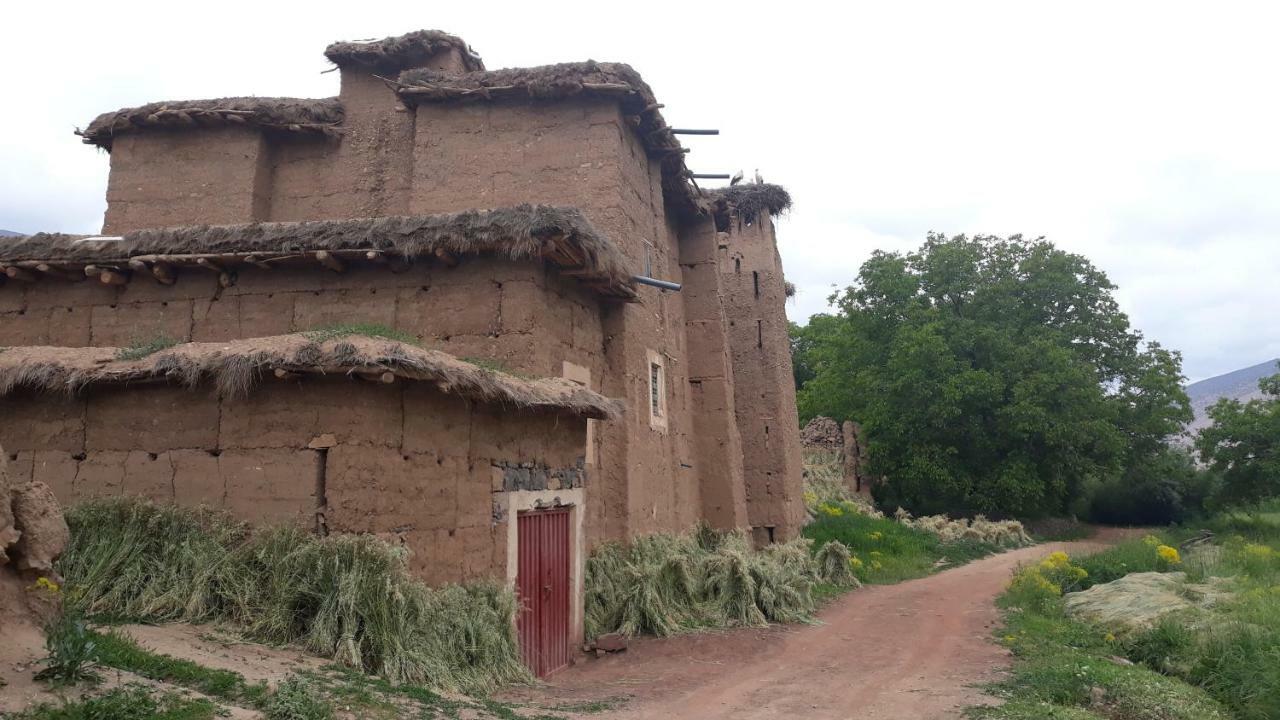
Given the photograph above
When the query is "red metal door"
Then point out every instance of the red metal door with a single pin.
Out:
(542, 584)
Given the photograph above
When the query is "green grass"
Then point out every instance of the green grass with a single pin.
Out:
(127, 703)
(350, 598)
(139, 349)
(890, 552)
(365, 696)
(495, 366)
(1065, 669)
(117, 650)
(1220, 662)
(372, 330)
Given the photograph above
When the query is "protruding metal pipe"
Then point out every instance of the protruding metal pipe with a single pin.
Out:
(665, 285)
(709, 176)
(690, 131)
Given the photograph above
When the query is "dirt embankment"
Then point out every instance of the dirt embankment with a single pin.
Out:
(913, 650)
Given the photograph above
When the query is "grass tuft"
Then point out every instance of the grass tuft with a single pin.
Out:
(131, 702)
(372, 330)
(139, 349)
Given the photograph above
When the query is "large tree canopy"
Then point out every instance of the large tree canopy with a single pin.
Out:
(1243, 444)
(990, 375)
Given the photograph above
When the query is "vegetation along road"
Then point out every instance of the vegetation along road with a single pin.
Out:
(916, 649)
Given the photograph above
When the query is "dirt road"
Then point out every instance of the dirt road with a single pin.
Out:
(912, 651)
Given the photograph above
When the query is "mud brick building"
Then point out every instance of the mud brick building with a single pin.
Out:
(411, 310)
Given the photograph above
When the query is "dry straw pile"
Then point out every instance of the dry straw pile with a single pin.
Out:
(666, 584)
(1002, 533)
(348, 597)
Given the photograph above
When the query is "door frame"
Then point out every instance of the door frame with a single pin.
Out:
(519, 501)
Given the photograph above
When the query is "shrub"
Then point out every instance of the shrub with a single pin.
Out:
(72, 648)
(1167, 489)
(1039, 586)
(345, 597)
(296, 698)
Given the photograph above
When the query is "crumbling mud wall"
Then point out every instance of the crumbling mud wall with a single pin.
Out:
(402, 460)
(764, 397)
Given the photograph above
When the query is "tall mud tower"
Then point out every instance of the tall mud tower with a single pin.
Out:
(764, 385)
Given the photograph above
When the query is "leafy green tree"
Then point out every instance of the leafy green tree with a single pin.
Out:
(804, 339)
(991, 375)
(1243, 444)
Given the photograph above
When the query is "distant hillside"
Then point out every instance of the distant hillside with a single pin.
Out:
(10, 233)
(1240, 384)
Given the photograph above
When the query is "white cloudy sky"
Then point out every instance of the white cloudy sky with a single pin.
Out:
(1140, 134)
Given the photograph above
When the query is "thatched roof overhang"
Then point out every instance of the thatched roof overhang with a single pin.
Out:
(562, 237)
(317, 117)
(236, 368)
(394, 54)
(616, 81)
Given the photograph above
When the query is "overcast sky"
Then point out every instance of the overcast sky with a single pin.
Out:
(1142, 135)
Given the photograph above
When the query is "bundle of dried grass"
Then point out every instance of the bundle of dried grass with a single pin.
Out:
(237, 366)
(320, 116)
(1002, 533)
(402, 51)
(666, 584)
(344, 596)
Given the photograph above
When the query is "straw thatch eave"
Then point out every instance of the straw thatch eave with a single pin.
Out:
(616, 81)
(396, 53)
(319, 117)
(561, 236)
(236, 368)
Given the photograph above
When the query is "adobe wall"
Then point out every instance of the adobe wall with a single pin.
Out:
(764, 391)
(583, 153)
(717, 442)
(580, 153)
(519, 314)
(403, 461)
(170, 177)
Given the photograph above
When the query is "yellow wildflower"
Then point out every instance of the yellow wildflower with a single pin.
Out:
(46, 585)
(1109, 638)
(855, 562)
(1168, 554)
(1151, 540)
(875, 535)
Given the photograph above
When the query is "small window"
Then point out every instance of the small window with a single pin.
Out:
(657, 390)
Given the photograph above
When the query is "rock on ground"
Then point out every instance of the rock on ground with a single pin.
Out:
(822, 433)
(1138, 600)
(44, 530)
